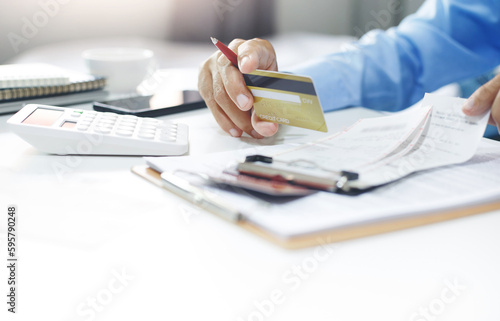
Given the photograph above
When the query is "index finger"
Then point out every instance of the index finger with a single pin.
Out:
(256, 54)
(482, 99)
(233, 80)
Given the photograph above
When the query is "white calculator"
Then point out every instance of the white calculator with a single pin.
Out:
(64, 131)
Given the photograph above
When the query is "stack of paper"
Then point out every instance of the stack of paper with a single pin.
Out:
(382, 150)
(31, 75)
(385, 149)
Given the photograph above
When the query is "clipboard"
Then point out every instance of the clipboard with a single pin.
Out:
(337, 234)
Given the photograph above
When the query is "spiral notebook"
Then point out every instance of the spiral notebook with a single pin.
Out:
(31, 75)
(21, 82)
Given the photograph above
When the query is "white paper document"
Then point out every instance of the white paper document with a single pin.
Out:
(436, 134)
(385, 149)
(474, 182)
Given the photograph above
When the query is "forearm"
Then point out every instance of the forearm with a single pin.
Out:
(392, 70)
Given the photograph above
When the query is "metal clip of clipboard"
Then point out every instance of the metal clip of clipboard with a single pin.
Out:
(293, 172)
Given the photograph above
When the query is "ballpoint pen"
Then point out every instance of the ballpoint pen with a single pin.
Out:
(226, 51)
(200, 197)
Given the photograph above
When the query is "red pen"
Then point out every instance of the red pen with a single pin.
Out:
(226, 51)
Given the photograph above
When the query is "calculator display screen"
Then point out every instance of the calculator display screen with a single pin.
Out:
(43, 117)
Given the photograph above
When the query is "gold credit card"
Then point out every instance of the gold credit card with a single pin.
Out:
(286, 99)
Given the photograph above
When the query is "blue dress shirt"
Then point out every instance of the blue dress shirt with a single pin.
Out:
(444, 42)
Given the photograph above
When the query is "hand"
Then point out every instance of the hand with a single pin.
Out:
(485, 98)
(222, 87)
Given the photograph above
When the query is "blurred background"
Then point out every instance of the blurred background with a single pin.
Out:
(178, 31)
(31, 23)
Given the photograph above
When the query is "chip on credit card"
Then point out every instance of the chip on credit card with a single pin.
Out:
(286, 99)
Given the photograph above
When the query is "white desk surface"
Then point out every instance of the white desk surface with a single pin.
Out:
(81, 227)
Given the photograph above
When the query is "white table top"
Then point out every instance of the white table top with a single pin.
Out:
(97, 242)
(82, 226)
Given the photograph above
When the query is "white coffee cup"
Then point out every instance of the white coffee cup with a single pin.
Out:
(124, 68)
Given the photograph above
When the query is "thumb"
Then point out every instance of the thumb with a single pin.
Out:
(264, 128)
(482, 99)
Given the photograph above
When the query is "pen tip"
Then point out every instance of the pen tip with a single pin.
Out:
(214, 40)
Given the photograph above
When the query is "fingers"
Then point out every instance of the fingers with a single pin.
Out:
(233, 81)
(240, 118)
(252, 54)
(485, 98)
(495, 112)
(205, 87)
(264, 128)
(256, 54)
(230, 118)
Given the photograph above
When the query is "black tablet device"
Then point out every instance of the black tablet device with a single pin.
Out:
(157, 105)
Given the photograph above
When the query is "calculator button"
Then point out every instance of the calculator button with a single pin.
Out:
(103, 130)
(150, 121)
(167, 131)
(108, 119)
(168, 134)
(82, 127)
(129, 117)
(122, 132)
(84, 122)
(149, 125)
(147, 130)
(168, 138)
(146, 135)
(105, 123)
(76, 114)
(113, 119)
(146, 127)
(128, 122)
(125, 127)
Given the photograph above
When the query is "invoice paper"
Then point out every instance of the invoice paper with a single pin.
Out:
(385, 149)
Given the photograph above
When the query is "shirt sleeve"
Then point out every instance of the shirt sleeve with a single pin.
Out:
(445, 41)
